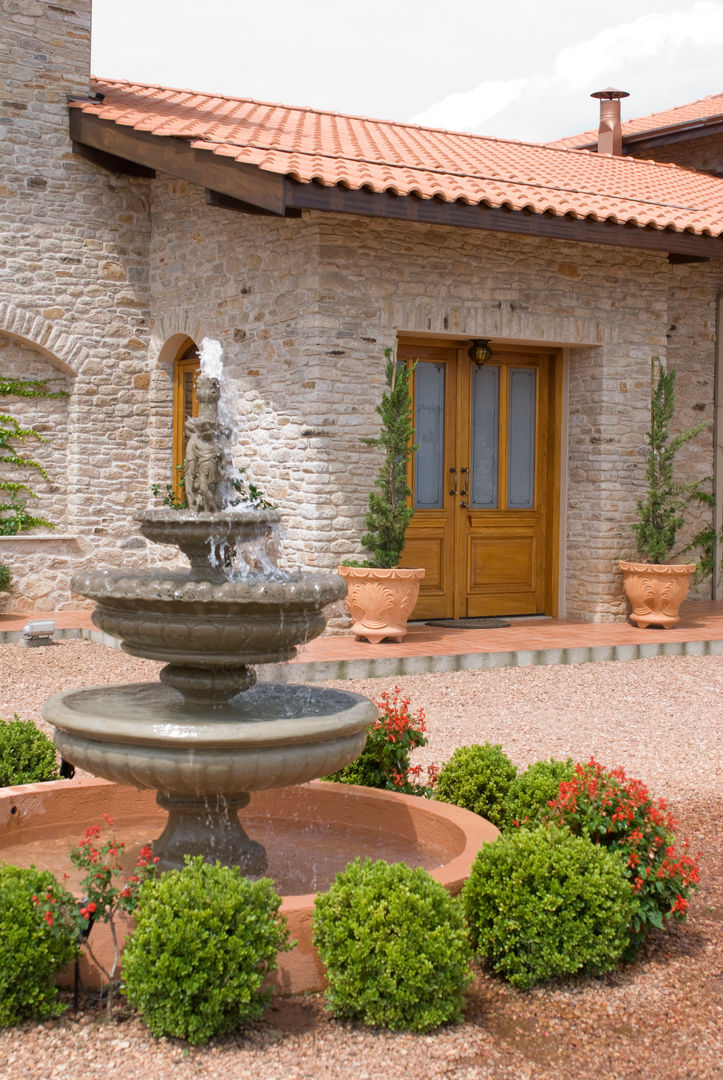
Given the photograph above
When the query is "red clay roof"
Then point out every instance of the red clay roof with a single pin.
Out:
(383, 156)
(708, 109)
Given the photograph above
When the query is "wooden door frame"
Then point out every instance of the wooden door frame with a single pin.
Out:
(186, 361)
(553, 463)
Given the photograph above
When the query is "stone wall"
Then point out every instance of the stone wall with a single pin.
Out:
(73, 303)
(704, 154)
(305, 308)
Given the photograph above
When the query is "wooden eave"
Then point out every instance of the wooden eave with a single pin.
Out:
(248, 188)
(668, 136)
(651, 139)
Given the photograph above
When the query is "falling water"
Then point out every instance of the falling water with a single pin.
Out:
(252, 558)
(211, 360)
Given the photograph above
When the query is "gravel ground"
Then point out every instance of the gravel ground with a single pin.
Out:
(659, 1017)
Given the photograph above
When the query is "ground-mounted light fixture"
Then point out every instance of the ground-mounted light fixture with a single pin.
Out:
(39, 632)
(480, 351)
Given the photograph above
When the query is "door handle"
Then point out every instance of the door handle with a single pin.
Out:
(464, 490)
(453, 474)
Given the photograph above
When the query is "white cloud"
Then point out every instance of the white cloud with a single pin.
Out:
(654, 56)
(629, 43)
(468, 109)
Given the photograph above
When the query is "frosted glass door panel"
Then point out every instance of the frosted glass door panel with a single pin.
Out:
(485, 437)
(521, 439)
(429, 433)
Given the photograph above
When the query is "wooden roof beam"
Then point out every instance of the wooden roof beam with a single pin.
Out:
(112, 163)
(176, 157)
(435, 212)
(226, 202)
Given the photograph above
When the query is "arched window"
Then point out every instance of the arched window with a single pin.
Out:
(185, 405)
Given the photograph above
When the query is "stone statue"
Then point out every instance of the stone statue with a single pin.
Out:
(207, 465)
(204, 468)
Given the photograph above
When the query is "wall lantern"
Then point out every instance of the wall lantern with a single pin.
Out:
(480, 351)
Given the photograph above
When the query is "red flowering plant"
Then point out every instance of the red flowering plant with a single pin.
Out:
(104, 895)
(384, 761)
(618, 811)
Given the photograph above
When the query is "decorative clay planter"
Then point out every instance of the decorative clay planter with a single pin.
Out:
(655, 591)
(380, 600)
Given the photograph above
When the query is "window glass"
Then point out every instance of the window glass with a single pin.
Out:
(429, 433)
(485, 437)
(521, 439)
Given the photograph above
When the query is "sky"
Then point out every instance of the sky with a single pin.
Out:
(519, 69)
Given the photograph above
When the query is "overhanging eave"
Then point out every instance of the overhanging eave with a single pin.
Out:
(177, 158)
(251, 187)
(436, 212)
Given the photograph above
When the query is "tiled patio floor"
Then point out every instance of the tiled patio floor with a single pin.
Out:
(427, 648)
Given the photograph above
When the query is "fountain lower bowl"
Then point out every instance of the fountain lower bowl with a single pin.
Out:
(204, 761)
(273, 735)
(324, 826)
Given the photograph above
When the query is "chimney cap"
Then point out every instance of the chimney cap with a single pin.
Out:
(610, 94)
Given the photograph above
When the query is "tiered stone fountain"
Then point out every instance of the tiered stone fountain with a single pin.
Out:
(205, 736)
(206, 739)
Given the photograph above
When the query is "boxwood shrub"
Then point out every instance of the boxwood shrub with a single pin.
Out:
(477, 778)
(38, 937)
(543, 903)
(27, 756)
(394, 945)
(204, 941)
(526, 802)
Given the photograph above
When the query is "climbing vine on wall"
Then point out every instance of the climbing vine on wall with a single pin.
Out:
(14, 515)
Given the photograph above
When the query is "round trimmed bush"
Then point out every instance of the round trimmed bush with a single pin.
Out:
(477, 778)
(543, 903)
(529, 793)
(204, 941)
(394, 945)
(37, 939)
(27, 756)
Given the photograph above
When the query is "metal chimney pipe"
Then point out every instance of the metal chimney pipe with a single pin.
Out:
(610, 133)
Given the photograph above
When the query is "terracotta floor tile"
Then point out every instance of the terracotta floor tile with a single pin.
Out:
(700, 621)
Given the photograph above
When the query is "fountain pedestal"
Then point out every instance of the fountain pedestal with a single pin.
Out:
(187, 833)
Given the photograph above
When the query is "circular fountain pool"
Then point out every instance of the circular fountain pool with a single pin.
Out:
(310, 832)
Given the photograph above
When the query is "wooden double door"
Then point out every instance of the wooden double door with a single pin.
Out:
(485, 481)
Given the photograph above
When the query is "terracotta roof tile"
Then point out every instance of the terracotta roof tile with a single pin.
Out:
(384, 156)
(696, 112)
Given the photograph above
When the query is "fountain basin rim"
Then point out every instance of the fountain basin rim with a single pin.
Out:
(199, 728)
(86, 794)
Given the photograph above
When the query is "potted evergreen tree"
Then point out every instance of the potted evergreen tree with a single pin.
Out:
(6, 580)
(381, 595)
(655, 587)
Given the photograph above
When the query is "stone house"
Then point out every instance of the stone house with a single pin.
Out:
(137, 220)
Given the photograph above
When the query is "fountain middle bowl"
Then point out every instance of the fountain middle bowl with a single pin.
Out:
(166, 615)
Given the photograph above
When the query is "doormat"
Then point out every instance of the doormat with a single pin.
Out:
(468, 624)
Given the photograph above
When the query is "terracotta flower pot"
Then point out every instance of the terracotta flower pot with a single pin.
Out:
(380, 600)
(656, 591)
